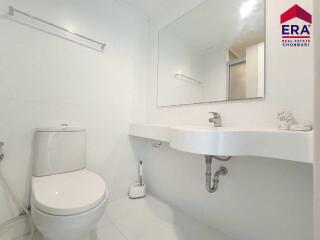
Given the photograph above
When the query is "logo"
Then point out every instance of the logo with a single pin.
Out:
(295, 27)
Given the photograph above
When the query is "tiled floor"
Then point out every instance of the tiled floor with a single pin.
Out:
(151, 219)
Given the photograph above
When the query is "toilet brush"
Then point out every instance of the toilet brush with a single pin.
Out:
(138, 189)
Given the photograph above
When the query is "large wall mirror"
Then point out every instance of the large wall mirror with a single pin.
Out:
(215, 52)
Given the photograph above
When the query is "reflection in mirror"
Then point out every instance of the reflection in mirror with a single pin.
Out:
(215, 52)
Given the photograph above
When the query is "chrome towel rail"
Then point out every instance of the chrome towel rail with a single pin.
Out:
(183, 77)
(13, 10)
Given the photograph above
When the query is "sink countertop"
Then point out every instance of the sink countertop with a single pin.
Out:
(231, 141)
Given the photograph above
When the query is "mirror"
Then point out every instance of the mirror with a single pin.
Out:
(215, 52)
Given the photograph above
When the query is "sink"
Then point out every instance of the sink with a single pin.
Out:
(231, 141)
(225, 141)
(196, 139)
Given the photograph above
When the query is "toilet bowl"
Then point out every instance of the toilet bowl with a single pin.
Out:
(67, 200)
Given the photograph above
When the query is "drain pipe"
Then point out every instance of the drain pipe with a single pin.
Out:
(223, 171)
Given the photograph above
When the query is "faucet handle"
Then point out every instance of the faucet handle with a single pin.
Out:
(215, 114)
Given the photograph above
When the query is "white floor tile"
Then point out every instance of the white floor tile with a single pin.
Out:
(109, 232)
(151, 219)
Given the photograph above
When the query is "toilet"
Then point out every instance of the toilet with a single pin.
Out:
(67, 200)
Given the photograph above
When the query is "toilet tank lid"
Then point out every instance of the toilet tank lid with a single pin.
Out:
(61, 129)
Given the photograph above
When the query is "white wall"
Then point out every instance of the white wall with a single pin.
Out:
(261, 198)
(45, 80)
(316, 198)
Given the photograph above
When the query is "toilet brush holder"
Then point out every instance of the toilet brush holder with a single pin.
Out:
(137, 190)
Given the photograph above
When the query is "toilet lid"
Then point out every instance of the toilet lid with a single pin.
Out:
(68, 193)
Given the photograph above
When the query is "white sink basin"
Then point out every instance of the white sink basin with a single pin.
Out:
(239, 141)
(225, 141)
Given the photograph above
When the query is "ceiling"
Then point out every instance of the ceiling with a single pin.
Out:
(150, 7)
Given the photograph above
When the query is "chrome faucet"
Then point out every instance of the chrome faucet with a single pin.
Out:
(216, 119)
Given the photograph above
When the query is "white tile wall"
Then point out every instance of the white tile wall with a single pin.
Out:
(260, 198)
(38, 75)
(45, 81)
(317, 122)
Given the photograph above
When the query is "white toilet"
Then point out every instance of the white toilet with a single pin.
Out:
(67, 200)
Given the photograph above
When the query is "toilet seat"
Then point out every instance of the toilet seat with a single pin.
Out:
(68, 193)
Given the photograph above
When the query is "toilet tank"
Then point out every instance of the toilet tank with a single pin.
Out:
(59, 150)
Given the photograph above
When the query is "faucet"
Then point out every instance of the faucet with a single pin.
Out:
(216, 119)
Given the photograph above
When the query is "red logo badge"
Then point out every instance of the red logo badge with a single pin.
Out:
(295, 27)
